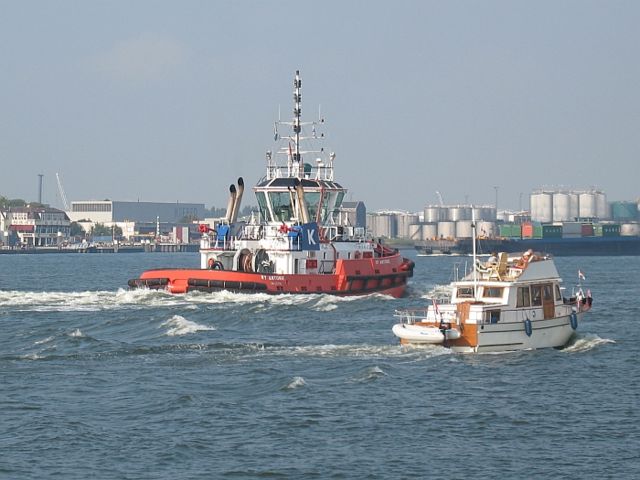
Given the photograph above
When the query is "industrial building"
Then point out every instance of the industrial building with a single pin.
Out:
(111, 211)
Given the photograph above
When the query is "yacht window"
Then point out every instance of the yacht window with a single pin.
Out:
(465, 292)
(547, 291)
(493, 292)
(558, 294)
(524, 299)
(492, 316)
(536, 295)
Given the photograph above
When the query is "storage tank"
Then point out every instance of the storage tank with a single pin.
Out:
(561, 207)
(429, 231)
(602, 208)
(415, 232)
(463, 229)
(541, 207)
(486, 229)
(458, 213)
(383, 225)
(446, 229)
(489, 214)
(433, 214)
(403, 222)
(630, 229)
(587, 206)
(624, 211)
(574, 206)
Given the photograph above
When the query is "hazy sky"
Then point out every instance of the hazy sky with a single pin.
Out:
(172, 101)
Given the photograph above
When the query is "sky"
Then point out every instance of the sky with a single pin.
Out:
(173, 101)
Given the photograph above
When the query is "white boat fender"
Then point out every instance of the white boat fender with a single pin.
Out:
(574, 320)
(527, 327)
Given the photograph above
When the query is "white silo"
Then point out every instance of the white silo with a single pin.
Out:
(415, 232)
(561, 207)
(478, 213)
(489, 214)
(542, 207)
(433, 214)
(404, 220)
(446, 229)
(587, 207)
(602, 209)
(383, 225)
(463, 229)
(429, 231)
(574, 205)
(456, 213)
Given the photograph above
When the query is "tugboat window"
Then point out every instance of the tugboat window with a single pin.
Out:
(281, 204)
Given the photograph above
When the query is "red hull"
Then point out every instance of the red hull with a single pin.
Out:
(387, 275)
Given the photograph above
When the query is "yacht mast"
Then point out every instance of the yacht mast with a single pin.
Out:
(475, 270)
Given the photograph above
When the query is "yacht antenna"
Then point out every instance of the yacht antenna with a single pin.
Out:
(473, 265)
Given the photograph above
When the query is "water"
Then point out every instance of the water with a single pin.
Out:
(101, 382)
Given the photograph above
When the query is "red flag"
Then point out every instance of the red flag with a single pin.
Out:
(435, 306)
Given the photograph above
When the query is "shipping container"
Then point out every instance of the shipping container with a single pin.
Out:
(571, 228)
(587, 230)
(611, 230)
(531, 230)
(510, 230)
(552, 231)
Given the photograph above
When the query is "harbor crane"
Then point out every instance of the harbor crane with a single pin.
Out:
(63, 196)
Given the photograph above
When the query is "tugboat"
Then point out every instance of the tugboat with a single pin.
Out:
(295, 242)
(513, 302)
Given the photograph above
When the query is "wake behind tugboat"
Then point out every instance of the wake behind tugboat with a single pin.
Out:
(295, 243)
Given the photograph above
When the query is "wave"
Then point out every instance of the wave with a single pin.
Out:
(584, 343)
(370, 374)
(296, 382)
(178, 325)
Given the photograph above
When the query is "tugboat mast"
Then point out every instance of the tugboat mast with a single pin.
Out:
(297, 112)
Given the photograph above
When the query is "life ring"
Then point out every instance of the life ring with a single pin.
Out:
(574, 320)
(214, 264)
(203, 228)
(527, 327)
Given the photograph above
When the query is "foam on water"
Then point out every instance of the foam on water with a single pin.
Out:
(77, 333)
(370, 374)
(586, 342)
(178, 325)
(296, 382)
